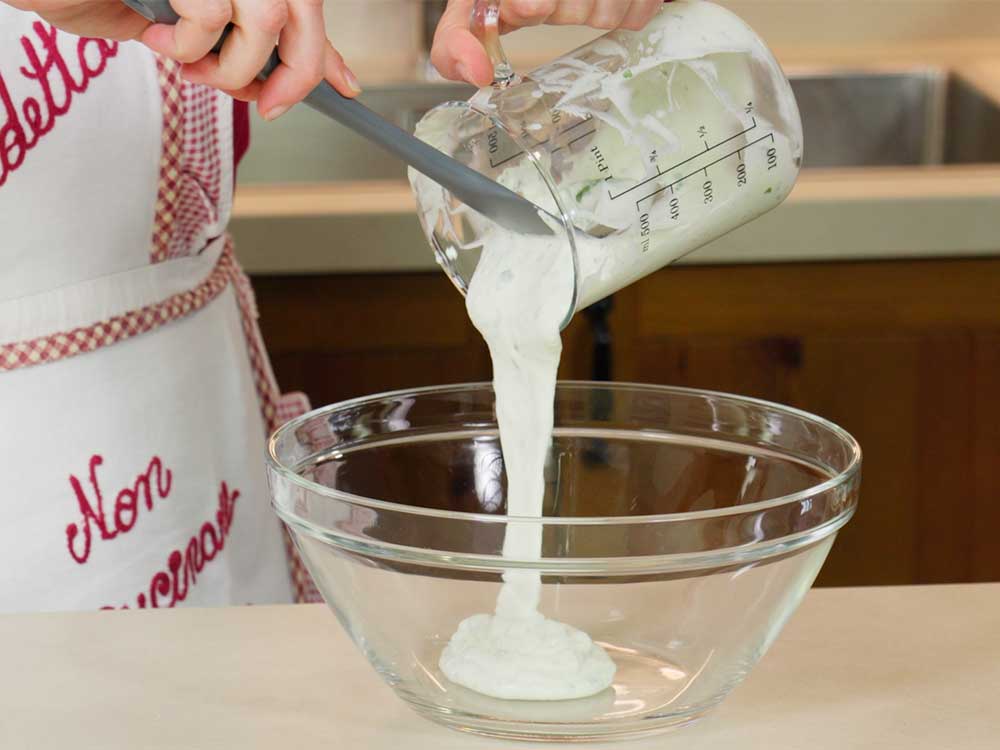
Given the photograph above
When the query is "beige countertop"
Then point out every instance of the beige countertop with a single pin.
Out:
(832, 215)
(889, 668)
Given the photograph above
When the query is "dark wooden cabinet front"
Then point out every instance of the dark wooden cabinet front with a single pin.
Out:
(903, 354)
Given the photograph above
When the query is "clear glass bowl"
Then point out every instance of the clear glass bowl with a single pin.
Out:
(681, 530)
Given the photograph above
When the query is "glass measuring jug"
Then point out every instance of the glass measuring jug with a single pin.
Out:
(644, 145)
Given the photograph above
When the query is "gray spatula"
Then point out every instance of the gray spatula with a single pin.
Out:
(486, 196)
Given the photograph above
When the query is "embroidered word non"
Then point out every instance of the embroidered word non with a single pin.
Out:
(109, 523)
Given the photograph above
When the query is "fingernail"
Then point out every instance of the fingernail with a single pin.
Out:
(275, 112)
(352, 81)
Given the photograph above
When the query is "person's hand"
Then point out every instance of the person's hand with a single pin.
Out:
(296, 26)
(459, 56)
(104, 19)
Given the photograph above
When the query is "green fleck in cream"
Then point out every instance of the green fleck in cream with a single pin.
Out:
(627, 74)
(768, 191)
(584, 190)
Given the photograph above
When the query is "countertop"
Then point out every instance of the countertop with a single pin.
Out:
(888, 668)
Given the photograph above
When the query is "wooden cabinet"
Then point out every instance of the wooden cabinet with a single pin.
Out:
(905, 355)
(336, 337)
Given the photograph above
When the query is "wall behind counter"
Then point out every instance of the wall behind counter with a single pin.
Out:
(382, 39)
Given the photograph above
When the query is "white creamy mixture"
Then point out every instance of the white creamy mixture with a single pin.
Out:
(697, 82)
(518, 299)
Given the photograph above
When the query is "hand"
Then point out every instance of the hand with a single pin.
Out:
(459, 56)
(103, 19)
(296, 26)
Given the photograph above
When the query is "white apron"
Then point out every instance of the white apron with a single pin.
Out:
(132, 376)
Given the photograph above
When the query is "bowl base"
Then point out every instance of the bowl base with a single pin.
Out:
(633, 729)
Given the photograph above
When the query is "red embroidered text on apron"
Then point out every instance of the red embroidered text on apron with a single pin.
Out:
(121, 496)
(28, 120)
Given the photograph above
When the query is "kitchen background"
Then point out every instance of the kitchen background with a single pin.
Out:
(872, 297)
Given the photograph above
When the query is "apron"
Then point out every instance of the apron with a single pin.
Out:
(135, 391)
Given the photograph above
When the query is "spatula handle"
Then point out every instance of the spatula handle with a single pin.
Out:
(469, 186)
(157, 11)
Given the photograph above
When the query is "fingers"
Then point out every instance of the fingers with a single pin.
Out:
(296, 27)
(256, 27)
(199, 28)
(249, 93)
(303, 49)
(640, 13)
(599, 14)
(574, 13)
(608, 14)
(335, 70)
(456, 53)
(518, 14)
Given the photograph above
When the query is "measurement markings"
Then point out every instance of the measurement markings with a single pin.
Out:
(578, 138)
(686, 161)
(581, 137)
(504, 161)
(584, 121)
(704, 169)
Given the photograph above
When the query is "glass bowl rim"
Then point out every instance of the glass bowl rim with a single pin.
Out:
(843, 477)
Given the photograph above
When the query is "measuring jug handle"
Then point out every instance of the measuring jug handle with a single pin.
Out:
(486, 26)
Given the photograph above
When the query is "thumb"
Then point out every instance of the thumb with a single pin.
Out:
(456, 52)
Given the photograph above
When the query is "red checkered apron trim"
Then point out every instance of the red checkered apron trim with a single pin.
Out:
(169, 76)
(276, 410)
(188, 197)
(187, 203)
(62, 345)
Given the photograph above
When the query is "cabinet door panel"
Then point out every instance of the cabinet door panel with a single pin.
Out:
(337, 337)
(986, 455)
(868, 385)
(328, 378)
